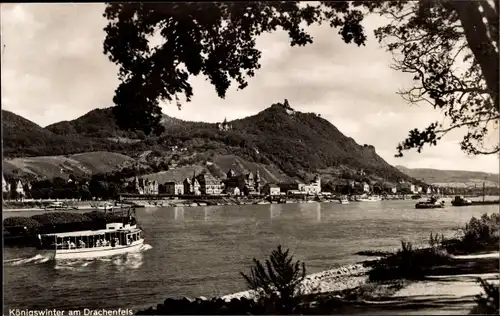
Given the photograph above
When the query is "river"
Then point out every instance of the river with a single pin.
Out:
(194, 251)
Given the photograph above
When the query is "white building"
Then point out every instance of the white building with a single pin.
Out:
(314, 187)
(366, 187)
(271, 189)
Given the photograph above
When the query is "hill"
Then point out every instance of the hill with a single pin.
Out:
(47, 167)
(456, 178)
(22, 138)
(279, 142)
(100, 123)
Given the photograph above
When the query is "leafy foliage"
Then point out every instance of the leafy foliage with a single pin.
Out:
(278, 279)
(451, 53)
(488, 303)
(429, 39)
(482, 230)
(213, 39)
(408, 263)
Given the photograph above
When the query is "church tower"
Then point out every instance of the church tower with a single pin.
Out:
(257, 181)
(317, 182)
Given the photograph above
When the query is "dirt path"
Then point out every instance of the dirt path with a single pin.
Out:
(436, 295)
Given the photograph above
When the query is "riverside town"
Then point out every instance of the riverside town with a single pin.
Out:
(251, 158)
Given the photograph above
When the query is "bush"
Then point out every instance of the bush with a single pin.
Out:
(278, 282)
(479, 234)
(488, 303)
(482, 230)
(29, 223)
(408, 263)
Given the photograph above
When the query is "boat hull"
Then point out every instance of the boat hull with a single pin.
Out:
(428, 206)
(95, 252)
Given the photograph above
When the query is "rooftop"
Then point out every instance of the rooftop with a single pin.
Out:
(92, 232)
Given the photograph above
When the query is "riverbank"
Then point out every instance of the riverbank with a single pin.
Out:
(333, 280)
(349, 290)
(35, 205)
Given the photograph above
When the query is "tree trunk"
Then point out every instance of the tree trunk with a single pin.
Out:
(480, 43)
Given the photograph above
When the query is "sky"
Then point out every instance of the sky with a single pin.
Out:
(54, 69)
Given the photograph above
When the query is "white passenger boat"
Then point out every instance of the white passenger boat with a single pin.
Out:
(116, 238)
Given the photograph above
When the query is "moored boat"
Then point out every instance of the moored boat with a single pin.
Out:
(105, 207)
(430, 203)
(343, 200)
(58, 206)
(370, 198)
(460, 201)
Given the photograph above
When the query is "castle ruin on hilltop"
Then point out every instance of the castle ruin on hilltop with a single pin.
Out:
(224, 126)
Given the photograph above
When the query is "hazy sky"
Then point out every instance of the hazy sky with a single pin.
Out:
(53, 69)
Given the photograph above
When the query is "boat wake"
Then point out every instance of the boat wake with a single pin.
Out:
(131, 260)
(145, 247)
(20, 261)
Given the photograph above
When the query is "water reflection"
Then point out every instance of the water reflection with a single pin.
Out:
(275, 210)
(211, 212)
(179, 213)
(318, 212)
(310, 210)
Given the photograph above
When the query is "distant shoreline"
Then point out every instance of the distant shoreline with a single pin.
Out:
(223, 201)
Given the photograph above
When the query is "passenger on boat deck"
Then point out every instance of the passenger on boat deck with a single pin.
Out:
(98, 243)
(81, 244)
(72, 245)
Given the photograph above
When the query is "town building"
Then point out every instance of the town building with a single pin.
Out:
(291, 186)
(231, 174)
(390, 188)
(174, 188)
(150, 187)
(248, 183)
(366, 187)
(209, 185)
(405, 187)
(314, 187)
(191, 186)
(19, 188)
(413, 189)
(271, 189)
(233, 191)
(5, 185)
(145, 186)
